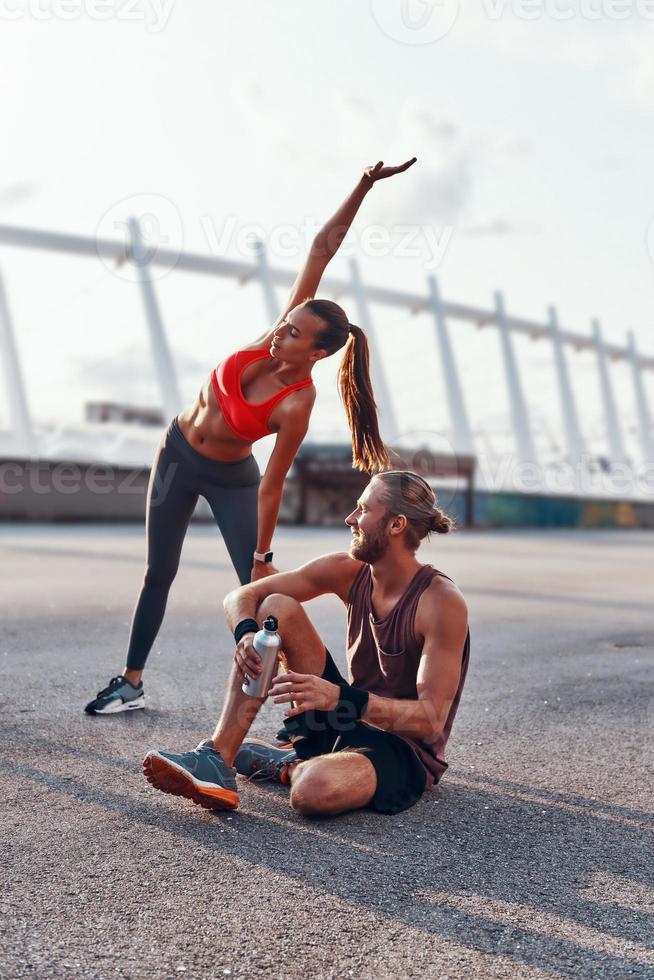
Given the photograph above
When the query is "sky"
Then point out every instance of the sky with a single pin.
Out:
(532, 127)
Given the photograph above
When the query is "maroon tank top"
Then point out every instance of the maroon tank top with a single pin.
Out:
(383, 656)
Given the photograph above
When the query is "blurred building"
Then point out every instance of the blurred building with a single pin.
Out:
(128, 414)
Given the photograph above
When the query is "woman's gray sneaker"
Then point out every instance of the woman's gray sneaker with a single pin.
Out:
(119, 695)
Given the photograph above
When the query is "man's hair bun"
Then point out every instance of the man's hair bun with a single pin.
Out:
(408, 493)
(441, 523)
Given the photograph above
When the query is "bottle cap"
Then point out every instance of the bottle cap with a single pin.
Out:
(270, 624)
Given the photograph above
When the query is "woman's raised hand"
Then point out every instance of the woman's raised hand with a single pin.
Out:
(379, 171)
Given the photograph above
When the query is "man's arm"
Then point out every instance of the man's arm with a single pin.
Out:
(442, 619)
(330, 573)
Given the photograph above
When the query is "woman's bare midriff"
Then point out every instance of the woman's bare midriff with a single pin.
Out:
(205, 428)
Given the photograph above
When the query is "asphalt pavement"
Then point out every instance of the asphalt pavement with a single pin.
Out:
(532, 858)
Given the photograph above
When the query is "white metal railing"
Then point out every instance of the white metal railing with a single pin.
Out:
(133, 250)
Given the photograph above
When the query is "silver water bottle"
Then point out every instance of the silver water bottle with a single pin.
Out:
(267, 642)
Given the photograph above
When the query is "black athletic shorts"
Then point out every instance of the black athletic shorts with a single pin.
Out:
(401, 777)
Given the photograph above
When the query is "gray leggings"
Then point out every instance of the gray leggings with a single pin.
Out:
(179, 476)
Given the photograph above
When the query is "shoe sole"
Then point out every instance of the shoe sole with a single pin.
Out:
(115, 707)
(164, 775)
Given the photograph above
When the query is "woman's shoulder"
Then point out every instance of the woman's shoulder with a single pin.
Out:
(294, 409)
(298, 400)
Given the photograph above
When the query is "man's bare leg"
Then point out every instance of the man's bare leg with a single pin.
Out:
(304, 651)
(331, 784)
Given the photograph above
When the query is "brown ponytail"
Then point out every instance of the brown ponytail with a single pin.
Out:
(368, 451)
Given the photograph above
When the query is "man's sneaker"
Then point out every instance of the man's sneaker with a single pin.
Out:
(119, 695)
(282, 738)
(202, 776)
(258, 760)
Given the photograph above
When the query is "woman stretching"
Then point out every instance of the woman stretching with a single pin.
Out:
(207, 450)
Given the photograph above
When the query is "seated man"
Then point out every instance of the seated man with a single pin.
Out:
(377, 741)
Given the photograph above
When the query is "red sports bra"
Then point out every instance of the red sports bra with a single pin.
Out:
(249, 421)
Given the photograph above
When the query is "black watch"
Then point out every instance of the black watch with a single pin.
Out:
(263, 556)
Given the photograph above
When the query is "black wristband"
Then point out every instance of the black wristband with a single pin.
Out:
(355, 698)
(350, 706)
(245, 626)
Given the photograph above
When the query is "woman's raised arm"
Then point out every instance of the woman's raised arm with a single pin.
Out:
(328, 241)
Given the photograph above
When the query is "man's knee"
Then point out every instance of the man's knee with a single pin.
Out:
(334, 783)
(302, 648)
(312, 793)
(282, 607)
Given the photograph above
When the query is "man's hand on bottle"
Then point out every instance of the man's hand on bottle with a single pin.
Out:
(307, 691)
(248, 661)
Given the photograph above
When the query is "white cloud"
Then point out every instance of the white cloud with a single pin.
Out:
(129, 375)
(618, 53)
(17, 193)
(500, 226)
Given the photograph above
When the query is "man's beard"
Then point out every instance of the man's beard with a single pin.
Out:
(371, 546)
